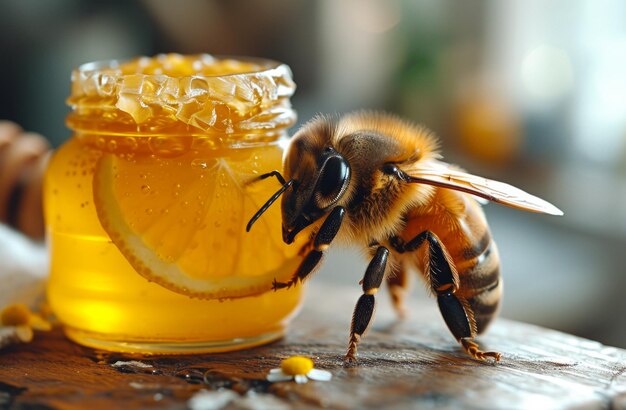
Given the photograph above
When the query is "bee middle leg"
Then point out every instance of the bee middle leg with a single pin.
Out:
(364, 309)
(444, 283)
(398, 281)
(313, 254)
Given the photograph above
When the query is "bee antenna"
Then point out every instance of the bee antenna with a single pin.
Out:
(269, 203)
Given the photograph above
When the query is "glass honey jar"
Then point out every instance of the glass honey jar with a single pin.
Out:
(146, 205)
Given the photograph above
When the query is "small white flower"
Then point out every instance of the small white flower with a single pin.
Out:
(298, 368)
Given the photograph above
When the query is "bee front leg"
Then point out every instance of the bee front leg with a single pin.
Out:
(444, 282)
(364, 309)
(313, 256)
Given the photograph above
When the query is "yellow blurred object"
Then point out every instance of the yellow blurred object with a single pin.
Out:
(17, 324)
(489, 130)
(15, 315)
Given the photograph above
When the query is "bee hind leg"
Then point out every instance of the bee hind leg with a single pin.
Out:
(472, 349)
(364, 309)
(444, 283)
(458, 316)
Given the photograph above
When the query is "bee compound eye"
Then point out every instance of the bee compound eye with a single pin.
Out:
(333, 179)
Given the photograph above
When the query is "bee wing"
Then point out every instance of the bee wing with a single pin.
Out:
(444, 175)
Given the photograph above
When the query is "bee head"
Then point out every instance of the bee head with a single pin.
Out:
(317, 177)
(321, 177)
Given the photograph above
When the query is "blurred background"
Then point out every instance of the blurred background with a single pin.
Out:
(526, 91)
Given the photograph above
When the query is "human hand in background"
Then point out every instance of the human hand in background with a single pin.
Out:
(23, 157)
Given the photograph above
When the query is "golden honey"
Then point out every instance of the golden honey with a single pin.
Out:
(146, 206)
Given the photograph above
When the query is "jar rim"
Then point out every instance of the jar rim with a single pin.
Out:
(201, 92)
(264, 64)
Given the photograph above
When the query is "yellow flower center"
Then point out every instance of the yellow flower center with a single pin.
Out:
(15, 315)
(296, 365)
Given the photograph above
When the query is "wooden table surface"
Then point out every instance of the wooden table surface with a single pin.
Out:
(410, 364)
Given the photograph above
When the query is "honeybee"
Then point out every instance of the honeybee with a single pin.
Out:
(377, 181)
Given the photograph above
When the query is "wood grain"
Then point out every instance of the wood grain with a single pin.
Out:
(409, 364)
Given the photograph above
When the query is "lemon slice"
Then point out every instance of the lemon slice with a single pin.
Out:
(180, 222)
